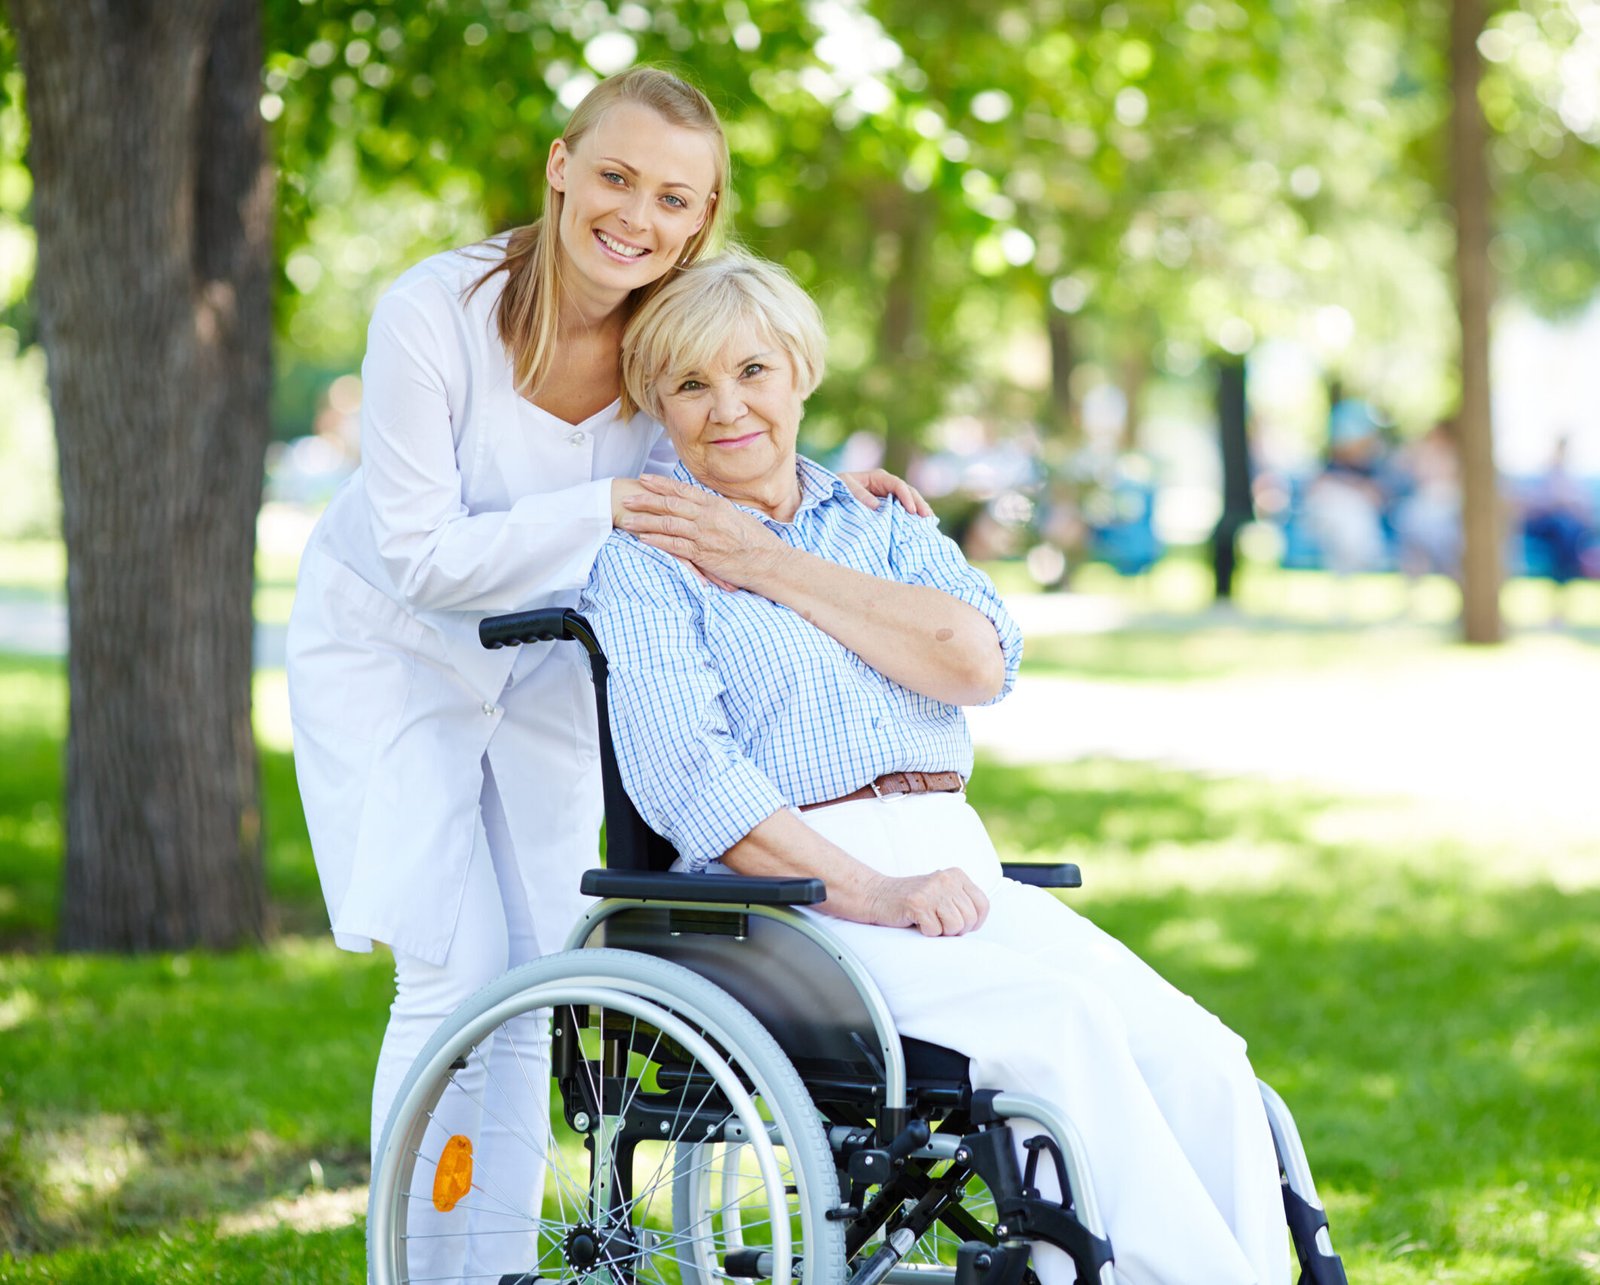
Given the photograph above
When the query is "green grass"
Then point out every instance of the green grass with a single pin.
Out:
(1424, 1000)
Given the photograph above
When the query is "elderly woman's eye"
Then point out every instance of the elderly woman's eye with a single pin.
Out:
(690, 386)
(754, 368)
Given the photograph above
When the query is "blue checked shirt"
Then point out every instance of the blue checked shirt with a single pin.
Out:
(727, 707)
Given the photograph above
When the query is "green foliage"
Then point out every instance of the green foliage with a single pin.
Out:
(1538, 95)
(1168, 180)
(29, 499)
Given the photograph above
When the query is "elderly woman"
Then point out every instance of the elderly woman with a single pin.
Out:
(794, 708)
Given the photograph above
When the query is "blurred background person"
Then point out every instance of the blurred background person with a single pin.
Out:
(1427, 517)
(1558, 516)
(1345, 502)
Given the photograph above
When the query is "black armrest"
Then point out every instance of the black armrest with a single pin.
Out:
(720, 890)
(1064, 875)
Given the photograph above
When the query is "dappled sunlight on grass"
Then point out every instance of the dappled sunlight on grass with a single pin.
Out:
(196, 1084)
(316, 1210)
(1424, 1001)
(1418, 986)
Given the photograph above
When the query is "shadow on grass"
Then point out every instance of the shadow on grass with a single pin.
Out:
(1427, 1011)
(1425, 1005)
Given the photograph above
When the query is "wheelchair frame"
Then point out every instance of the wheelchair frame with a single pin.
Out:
(791, 1048)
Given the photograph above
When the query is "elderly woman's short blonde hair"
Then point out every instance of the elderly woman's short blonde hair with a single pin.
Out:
(687, 323)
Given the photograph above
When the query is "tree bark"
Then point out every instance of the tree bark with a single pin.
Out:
(1135, 374)
(902, 217)
(1480, 502)
(1063, 360)
(1238, 507)
(153, 206)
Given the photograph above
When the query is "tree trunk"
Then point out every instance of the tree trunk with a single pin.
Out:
(1134, 370)
(1063, 360)
(153, 205)
(1480, 507)
(1238, 508)
(902, 345)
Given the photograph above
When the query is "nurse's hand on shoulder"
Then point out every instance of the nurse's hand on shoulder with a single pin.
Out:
(945, 903)
(621, 489)
(871, 485)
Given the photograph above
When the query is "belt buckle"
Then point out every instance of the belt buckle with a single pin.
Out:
(873, 786)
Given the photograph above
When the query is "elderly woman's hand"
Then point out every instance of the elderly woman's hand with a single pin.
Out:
(730, 548)
(945, 903)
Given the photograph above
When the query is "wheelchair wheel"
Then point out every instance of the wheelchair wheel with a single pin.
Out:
(712, 1210)
(682, 1146)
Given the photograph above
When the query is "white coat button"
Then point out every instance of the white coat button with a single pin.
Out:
(489, 709)
(578, 439)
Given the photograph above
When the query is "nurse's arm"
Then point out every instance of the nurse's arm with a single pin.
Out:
(945, 903)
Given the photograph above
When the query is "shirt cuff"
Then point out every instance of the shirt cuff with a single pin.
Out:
(582, 516)
(724, 808)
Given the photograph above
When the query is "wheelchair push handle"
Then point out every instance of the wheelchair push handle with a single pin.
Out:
(549, 624)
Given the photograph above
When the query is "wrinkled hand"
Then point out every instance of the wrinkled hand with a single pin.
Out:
(869, 485)
(945, 903)
(729, 548)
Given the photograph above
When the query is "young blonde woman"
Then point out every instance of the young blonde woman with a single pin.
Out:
(452, 793)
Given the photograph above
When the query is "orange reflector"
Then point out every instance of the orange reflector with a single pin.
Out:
(453, 1178)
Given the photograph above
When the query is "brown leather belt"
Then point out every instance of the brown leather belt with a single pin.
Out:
(898, 783)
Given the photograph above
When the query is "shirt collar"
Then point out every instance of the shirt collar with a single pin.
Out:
(817, 486)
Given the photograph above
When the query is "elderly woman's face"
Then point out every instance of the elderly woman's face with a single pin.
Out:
(734, 424)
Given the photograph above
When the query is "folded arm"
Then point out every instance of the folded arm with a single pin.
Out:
(924, 638)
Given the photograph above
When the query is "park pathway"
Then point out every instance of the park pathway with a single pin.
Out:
(1504, 737)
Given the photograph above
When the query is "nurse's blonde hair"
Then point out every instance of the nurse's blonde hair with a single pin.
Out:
(528, 312)
(685, 325)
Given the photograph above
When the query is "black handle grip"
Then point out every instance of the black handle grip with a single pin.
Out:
(549, 624)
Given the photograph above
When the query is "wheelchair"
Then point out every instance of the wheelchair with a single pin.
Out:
(730, 1102)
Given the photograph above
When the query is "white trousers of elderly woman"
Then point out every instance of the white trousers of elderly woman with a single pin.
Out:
(1179, 1148)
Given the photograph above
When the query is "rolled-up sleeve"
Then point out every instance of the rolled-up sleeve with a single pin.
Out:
(919, 553)
(680, 764)
(416, 377)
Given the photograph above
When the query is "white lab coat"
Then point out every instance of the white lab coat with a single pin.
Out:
(469, 501)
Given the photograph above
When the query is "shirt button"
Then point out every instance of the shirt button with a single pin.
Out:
(578, 439)
(489, 709)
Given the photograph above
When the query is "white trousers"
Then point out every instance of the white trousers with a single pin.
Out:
(498, 929)
(1043, 1002)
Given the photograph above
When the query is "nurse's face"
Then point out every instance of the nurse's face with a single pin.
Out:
(634, 190)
